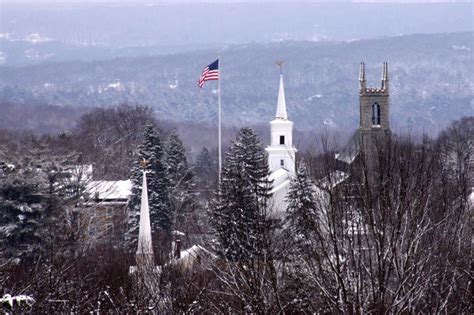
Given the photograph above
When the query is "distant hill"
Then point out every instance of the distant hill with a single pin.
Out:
(34, 32)
(431, 81)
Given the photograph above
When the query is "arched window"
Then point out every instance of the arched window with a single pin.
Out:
(376, 114)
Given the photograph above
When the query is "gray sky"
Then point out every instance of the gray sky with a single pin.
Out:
(216, 1)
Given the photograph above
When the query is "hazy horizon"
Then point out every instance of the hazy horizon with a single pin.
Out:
(221, 1)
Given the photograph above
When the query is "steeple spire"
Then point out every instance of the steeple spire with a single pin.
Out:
(281, 105)
(144, 253)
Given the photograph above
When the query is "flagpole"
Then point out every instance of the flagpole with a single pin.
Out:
(219, 117)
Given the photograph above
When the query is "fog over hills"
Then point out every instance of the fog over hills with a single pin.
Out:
(431, 81)
(79, 55)
(36, 32)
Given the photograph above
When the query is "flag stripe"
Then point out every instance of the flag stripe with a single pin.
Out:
(209, 73)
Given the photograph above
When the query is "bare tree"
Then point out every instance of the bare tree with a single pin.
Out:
(376, 245)
(109, 138)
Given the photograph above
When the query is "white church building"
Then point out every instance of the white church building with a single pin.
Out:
(281, 155)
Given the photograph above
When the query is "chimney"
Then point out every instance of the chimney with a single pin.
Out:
(177, 249)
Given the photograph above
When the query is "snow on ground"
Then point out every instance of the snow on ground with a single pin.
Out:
(18, 299)
(173, 85)
(5, 35)
(456, 47)
(36, 38)
(36, 55)
(315, 96)
(117, 86)
(329, 122)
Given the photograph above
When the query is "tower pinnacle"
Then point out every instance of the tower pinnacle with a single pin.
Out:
(385, 76)
(281, 105)
(362, 84)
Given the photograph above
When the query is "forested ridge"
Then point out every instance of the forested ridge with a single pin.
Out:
(430, 81)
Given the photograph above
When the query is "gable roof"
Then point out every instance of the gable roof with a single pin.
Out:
(109, 190)
(351, 150)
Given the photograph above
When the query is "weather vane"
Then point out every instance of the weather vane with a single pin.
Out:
(144, 163)
(279, 63)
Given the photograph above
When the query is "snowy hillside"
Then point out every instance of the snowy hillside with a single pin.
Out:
(430, 80)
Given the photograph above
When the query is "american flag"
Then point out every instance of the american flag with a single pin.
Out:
(210, 72)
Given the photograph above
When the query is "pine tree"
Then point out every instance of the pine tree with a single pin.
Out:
(181, 179)
(302, 207)
(240, 216)
(205, 168)
(36, 199)
(180, 175)
(22, 211)
(158, 188)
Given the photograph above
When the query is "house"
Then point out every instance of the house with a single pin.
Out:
(106, 210)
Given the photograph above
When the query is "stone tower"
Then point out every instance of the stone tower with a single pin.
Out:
(374, 128)
(281, 152)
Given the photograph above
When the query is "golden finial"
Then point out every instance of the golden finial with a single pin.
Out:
(279, 63)
(144, 163)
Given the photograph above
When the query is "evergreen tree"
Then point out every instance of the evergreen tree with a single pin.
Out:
(302, 207)
(240, 216)
(181, 179)
(180, 175)
(21, 204)
(151, 151)
(37, 197)
(206, 168)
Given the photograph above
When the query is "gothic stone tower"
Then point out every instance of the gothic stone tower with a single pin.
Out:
(374, 128)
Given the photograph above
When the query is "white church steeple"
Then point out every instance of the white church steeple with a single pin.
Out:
(144, 255)
(281, 105)
(281, 153)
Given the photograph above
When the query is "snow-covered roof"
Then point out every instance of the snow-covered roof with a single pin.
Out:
(193, 251)
(351, 150)
(109, 190)
(334, 179)
(280, 186)
(281, 178)
(192, 255)
(279, 173)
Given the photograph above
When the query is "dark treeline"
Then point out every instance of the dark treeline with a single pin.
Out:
(398, 243)
(102, 134)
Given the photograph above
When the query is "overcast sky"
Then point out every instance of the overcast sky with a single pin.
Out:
(215, 1)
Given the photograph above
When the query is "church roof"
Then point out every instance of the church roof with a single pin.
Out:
(351, 150)
(280, 178)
